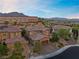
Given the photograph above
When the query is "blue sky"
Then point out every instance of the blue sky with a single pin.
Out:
(42, 8)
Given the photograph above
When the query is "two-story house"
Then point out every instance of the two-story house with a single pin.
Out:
(10, 34)
(21, 21)
(38, 33)
(59, 26)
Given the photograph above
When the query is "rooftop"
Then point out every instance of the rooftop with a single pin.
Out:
(9, 28)
(36, 28)
(38, 36)
(20, 19)
(11, 41)
(61, 27)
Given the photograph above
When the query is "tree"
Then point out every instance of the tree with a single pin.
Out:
(23, 33)
(3, 50)
(65, 34)
(55, 37)
(37, 47)
(17, 53)
(75, 33)
(15, 23)
(6, 22)
(18, 47)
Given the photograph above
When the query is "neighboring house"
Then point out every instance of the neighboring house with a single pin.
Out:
(38, 33)
(10, 42)
(58, 27)
(12, 34)
(9, 33)
(21, 21)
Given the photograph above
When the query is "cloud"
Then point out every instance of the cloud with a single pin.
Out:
(16, 5)
(8, 5)
(76, 16)
(34, 7)
(24, 5)
(43, 8)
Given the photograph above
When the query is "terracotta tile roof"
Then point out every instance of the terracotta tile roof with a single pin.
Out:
(4, 28)
(12, 41)
(36, 28)
(19, 19)
(38, 36)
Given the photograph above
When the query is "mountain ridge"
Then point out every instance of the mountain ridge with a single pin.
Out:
(17, 14)
(12, 14)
